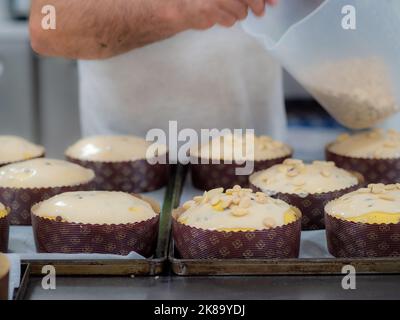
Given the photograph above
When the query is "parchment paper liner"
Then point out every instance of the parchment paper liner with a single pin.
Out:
(276, 243)
(312, 206)
(348, 239)
(20, 200)
(128, 176)
(385, 171)
(4, 281)
(210, 176)
(4, 233)
(121, 239)
(2, 164)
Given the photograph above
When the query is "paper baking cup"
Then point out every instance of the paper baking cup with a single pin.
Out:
(312, 206)
(129, 176)
(2, 164)
(4, 278)
(120, 239)
(348, 239)
(385, 171)
(277, 243)
(210, 176)
(4, 234)
(20, 200)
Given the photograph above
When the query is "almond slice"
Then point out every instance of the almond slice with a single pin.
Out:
(269, 222)
(239, 212)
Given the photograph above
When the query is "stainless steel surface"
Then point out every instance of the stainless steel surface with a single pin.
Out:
(214, 288)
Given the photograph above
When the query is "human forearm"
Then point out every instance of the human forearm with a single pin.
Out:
(95, 29)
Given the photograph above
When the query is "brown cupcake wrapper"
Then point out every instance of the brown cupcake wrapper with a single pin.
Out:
(129, 176)
(64, 237)
(313, 205)
(277, 243)
(385, 171)
(2, 164)
(4, 234)
(20, 200)
(4, 283)
(348, 239)
(210, 176)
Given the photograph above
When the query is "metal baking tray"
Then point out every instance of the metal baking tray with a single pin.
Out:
(121, 267)
(20, 292)
(300, 266)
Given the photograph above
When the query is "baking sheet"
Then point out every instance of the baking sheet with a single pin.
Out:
(22, 242)
(313, 243)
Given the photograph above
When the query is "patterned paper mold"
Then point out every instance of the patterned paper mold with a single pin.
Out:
(374, 170)
(4, 277)
(21, 200)
(130, 176)
(348, 239)
(4, 233)
(207, 175)
(236, 224)
(277, 243)
(52, 236)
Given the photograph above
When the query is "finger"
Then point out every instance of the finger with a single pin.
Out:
(235, 8)
(226, 19)
(257, 6)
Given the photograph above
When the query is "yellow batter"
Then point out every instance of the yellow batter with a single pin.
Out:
(95, 207)
(295, 177)
(376, 144)
(41, 173)
(13, 149)
(114, 149)
(242, 147)
(237, 209)
(378, 204)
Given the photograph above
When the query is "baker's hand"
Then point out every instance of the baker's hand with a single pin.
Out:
(204, 14)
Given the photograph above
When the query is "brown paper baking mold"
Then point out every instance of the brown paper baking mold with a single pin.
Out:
(52, 236)
(312, 206)
(385, 171)
(348, 239)
(129, 176)
(210, 176)
(4, 234)
(276, 243)
(20, 200)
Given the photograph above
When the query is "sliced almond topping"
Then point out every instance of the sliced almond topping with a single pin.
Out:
(198, 198)
(293, 173)
(214, 192)
(205, 198)
(245, 203)
(386, 197)
(282, 169)
(236, 199)
(299, 183)
(343, 137)
(390, 187)
(239, 212)
(261, 199)
(291, 162)
(326, 173)
(269, 222)
(260, 194)
(377, 188)
(229, 191)
(188, 204)
(214, 201)
(237, 188)
(390, 144)
(226, 202)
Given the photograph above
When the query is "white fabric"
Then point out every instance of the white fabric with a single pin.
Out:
(220, 78)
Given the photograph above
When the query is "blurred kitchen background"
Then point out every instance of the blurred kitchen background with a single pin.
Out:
(39, 96)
